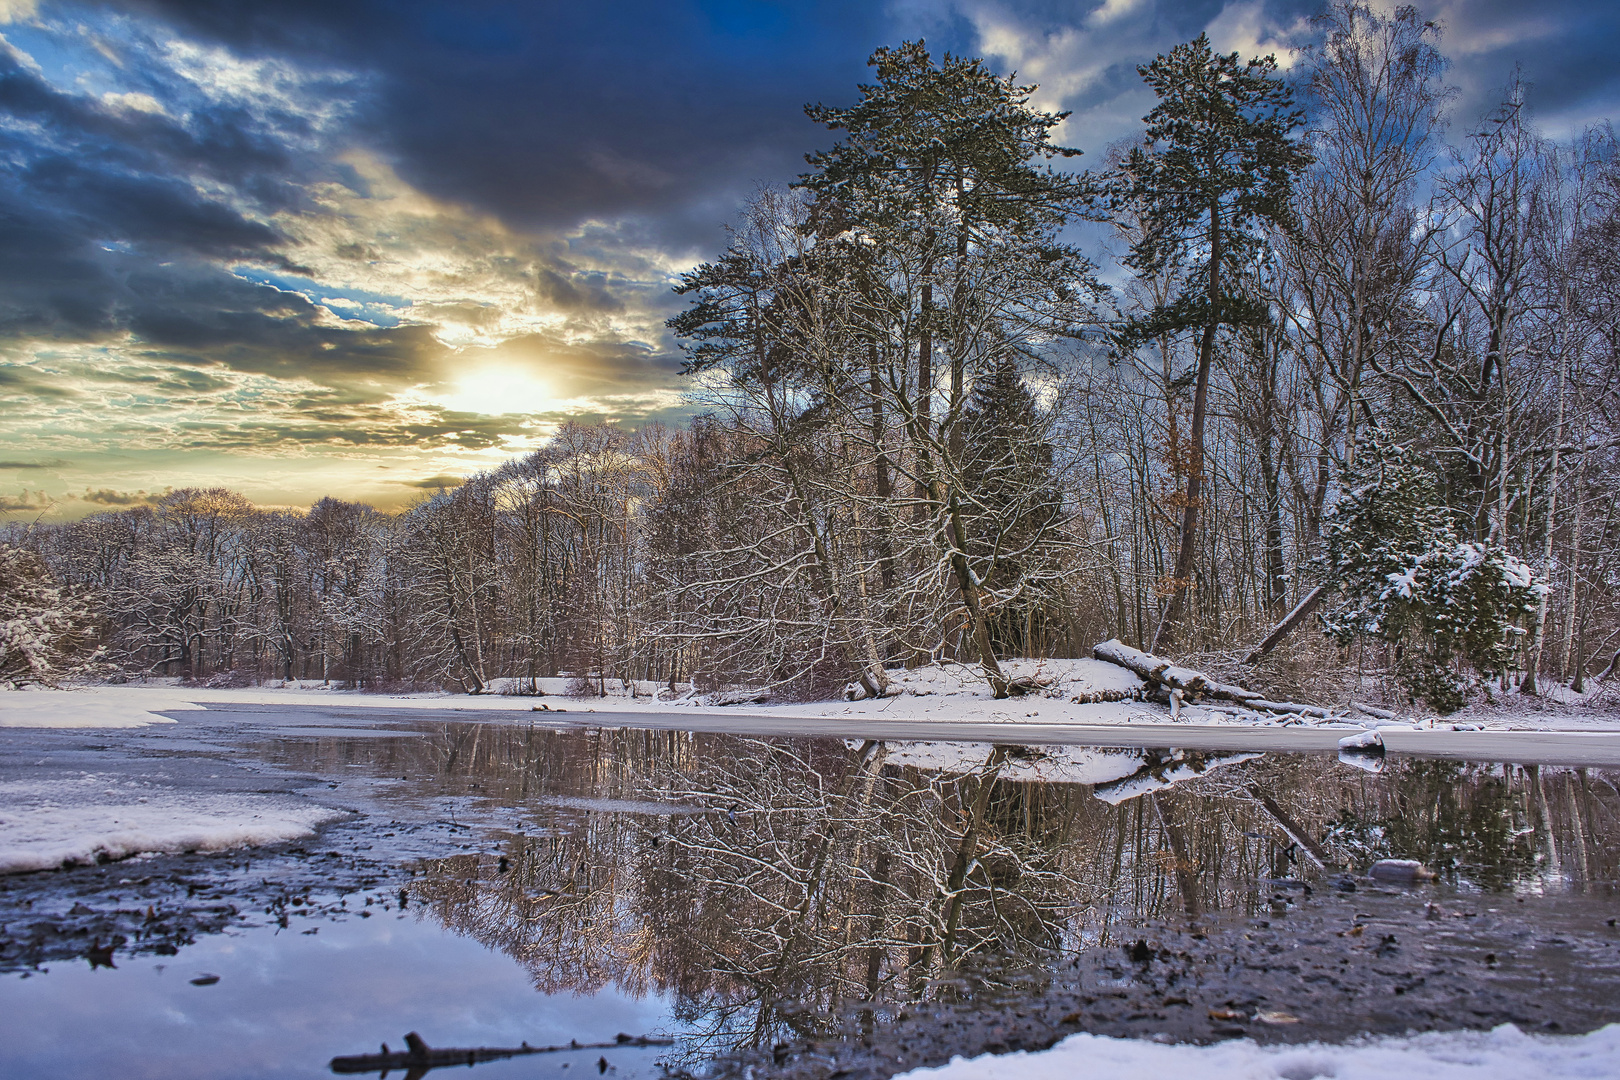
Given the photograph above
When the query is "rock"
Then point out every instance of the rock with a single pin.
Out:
(1368, 740)
(1400, 870)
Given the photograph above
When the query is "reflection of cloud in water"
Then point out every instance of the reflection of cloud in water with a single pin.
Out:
(285, 1004)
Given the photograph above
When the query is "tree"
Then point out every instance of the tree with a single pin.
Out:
(1014, 502)
(1405, 576)
(942, 183)
(1215, 170)
(47, 632)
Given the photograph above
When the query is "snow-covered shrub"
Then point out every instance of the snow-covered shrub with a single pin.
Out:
(1404, 576)
(46, 633)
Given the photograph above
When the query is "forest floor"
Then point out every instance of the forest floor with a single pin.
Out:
(1343, 964)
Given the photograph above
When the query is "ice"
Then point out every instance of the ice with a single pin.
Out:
(1504, 1053)
(94, 818)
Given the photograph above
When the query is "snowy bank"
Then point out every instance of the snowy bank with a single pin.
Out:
(90, 819)
(90, 707)
(1079, 682)
(1504, 1053)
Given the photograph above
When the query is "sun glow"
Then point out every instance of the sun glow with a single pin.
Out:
(496, 391)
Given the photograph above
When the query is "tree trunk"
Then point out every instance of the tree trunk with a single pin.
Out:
(1181, 581)
(1538, 629)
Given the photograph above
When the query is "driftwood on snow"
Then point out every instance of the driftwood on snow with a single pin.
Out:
(419, 1057)
(1192, 684)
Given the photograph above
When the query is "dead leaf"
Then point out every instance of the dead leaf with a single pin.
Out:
(1276, 1018)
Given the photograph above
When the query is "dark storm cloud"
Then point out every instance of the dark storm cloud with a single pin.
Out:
(103, 211)
(548, 113)
(252, 328)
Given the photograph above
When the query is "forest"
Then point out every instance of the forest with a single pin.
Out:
(1314, 383)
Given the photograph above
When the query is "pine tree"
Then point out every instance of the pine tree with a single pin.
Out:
(1014, 500)
(1216, 169)
(944, 177)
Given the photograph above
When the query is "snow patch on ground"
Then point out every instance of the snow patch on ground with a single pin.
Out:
(1505, 1053)
(1073, 692)
(48, 824)
(90, 707)
(1086, 680)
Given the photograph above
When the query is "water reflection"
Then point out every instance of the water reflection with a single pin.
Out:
(772, 887)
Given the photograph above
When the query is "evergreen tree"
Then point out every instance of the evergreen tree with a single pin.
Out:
(1216, 169)
(1406, 577)
(1014, 501)
(943, 180)
(47, 633)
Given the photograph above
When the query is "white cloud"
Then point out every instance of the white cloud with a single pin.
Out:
(1243, 28)
(1073, 64)
(134, 102)
(18, 10)
(1115, 10)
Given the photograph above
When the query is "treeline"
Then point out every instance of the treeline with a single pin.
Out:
(1358, 378)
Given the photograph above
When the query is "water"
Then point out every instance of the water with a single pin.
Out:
(738, 893)
(286, 1002)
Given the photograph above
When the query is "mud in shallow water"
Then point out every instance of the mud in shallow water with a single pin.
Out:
(818, 907)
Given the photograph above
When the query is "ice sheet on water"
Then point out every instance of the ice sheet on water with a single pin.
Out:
(1505, 1053)
(93, 818)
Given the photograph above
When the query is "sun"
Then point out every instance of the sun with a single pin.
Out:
(494, 391)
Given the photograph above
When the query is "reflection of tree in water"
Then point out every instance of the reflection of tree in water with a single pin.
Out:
(776, 885)
(1495, 825)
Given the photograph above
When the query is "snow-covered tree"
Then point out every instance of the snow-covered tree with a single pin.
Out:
(1405, 576)
(47, 634)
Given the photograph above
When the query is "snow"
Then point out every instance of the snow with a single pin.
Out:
(90, 707)
(93, 818)
(1088, 680)
(1362, 740)
(1049, 764)
(1505, 1053)
(1078, 692)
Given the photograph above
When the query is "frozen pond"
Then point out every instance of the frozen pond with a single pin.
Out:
(812, 906)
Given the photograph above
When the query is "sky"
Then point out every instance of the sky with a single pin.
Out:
(320, 247)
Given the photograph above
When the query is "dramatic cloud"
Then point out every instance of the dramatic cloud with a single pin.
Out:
(301, 248)
(119, 499)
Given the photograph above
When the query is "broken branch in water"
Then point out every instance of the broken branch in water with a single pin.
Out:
(419, 1057)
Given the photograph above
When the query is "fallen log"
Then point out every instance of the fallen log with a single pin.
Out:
(1192, 684)
(419, 1057)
